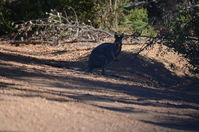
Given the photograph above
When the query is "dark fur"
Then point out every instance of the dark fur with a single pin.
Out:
(104, 54)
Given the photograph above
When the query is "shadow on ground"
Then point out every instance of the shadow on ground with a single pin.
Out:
(127, 67)
(176, 123)
(140, 70)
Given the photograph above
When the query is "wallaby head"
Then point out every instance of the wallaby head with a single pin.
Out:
(118, 38)
(118, 43)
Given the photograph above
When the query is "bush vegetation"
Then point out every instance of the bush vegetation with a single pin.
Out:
(182, 35)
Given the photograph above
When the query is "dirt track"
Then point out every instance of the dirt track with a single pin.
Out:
(40, 91)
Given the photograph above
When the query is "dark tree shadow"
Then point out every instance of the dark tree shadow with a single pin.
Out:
(176, 123)
(160, 82)
(145, 69)
(139, 69)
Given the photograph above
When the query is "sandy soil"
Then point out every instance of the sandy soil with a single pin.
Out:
(41, 92)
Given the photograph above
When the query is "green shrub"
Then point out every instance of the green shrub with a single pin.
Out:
(137, 21)
(106, 13)
(5, 21)
(183, 35)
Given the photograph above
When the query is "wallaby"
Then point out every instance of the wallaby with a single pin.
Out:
(104, 54)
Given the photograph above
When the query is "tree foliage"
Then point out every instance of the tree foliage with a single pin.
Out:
(183, 35)
(5, 21)
(136, 20)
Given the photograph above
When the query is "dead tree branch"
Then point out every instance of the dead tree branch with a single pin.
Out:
(56, 29)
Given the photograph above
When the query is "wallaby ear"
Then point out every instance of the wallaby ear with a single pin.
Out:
(115, 35)
(122, 35)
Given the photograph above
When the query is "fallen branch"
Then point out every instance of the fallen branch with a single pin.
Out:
(57, 29)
